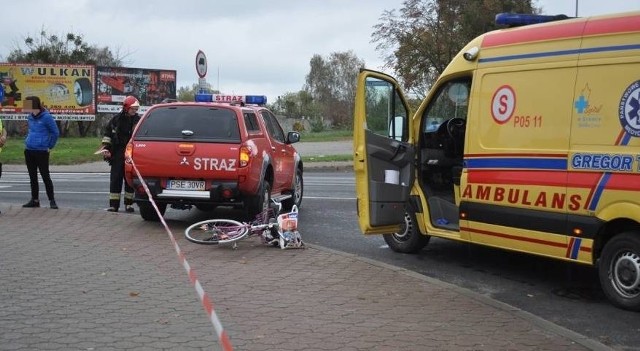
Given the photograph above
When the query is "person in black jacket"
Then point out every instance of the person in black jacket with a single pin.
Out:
(114, 141)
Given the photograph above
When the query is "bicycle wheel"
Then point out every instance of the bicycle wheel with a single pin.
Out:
(216, 231)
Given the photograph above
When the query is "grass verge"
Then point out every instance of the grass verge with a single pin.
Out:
(327, 158)
(330, 135)
(71, 151)
(68, 151)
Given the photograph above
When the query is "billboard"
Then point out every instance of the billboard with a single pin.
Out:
(150, 86)
(65, 90)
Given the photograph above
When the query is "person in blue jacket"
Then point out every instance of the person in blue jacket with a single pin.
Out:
(3, 140)
(41, 138)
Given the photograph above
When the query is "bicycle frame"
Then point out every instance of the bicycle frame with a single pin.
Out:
(281, 231)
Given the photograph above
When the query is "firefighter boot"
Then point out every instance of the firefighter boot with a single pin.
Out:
(114, 202)
(128, 202)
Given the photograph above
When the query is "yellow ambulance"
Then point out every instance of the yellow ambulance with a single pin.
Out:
(528, 141)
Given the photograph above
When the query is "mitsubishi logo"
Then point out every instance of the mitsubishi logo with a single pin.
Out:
(184, 162)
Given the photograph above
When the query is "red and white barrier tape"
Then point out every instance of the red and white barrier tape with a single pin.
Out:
(223, 338)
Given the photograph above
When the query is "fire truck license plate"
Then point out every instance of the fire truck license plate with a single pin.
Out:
(186, 185)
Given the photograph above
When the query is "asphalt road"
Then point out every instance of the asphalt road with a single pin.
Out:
(312, 148)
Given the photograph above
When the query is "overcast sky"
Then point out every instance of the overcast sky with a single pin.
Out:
(258, 47)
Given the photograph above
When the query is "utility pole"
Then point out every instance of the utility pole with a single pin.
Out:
(576, 8)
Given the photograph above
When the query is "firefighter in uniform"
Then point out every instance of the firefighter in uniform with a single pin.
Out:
(114, 141)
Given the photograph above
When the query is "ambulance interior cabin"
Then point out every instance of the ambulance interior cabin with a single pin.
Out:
(441, 151)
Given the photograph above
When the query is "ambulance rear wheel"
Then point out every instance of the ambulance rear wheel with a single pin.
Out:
(619, 270)
(408, 239)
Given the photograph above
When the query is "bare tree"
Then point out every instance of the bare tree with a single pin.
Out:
(70, 49)
(420, 39)
(332, 82)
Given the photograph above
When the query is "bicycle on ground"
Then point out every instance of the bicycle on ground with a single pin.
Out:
(281, 231)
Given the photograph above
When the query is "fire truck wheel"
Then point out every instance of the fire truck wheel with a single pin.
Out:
(148, 213)
(206, 207)
(260, 202)
(619, 270)
(296, 192)
(408, 239)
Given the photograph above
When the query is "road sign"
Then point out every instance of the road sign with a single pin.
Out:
(201, 64)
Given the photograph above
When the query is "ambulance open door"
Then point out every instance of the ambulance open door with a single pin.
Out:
(383, 154)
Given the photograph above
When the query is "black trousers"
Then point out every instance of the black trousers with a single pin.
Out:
(117, 180)
(37, 160)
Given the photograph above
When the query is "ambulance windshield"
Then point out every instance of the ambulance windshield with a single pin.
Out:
(450, 101)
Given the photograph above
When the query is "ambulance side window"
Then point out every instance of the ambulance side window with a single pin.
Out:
(385, 112)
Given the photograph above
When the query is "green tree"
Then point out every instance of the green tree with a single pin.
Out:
(189, 93)
(331, 83)
(421, 38)
(299, 105)
(68, 49)
(296, 105)
(288, 104)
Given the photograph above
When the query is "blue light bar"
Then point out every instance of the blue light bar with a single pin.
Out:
(255, 99)
(204, 97)
(523, 19)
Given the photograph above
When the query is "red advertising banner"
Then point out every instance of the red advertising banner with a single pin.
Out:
(65, 90)
(150, 86)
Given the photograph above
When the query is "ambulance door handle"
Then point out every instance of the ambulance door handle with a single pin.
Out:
(358, 165)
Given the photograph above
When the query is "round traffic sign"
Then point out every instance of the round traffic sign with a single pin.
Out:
(458, 94)
(201, 64)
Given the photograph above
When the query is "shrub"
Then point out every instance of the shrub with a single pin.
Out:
(298, 126)
(317, 125)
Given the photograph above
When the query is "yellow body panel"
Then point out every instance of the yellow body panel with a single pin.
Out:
(529, 141)
(551, 137)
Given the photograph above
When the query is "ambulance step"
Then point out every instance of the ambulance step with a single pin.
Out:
(443, 213)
